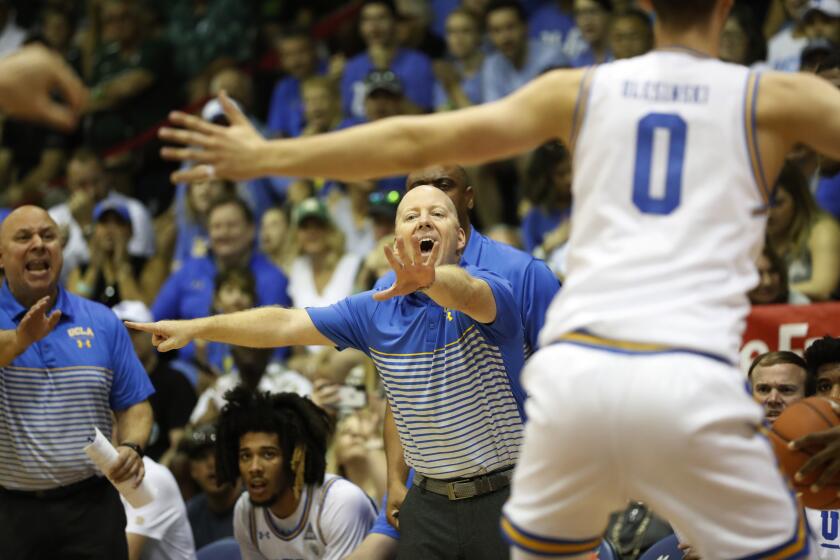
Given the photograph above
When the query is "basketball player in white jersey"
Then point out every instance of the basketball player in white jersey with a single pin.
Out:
(291, 509)
(674, 155)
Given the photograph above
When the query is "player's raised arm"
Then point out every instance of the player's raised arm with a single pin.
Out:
(263, 327)
(541, 110)
(800, 108)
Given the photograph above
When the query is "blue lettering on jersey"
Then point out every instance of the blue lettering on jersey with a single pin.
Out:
(665, 92)
(829, 529)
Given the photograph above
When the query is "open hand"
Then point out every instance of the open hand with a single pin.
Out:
(28, 80)
(413, 271)
(36, 324)
(166, 335)
(228, 152)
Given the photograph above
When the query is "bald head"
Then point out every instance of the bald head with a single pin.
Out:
(24, 215)
(30, 254)
(427, 215)
(452, 180)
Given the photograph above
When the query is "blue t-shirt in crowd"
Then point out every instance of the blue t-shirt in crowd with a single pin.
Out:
(551, 25)
(532, 282)
(188, 293)
(413, 68)
(58, 390)
(472, 87)
(587, 58)
(537, 222)
(446, 375)
(502, 78)
(285, 110)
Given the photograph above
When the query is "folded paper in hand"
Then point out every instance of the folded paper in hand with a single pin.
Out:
(104, 455)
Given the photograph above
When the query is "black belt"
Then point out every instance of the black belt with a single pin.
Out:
(56, 493)
(464, 488)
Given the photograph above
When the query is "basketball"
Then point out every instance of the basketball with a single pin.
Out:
(807, 416)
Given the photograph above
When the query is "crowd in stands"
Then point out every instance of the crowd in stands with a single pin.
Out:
(153, 251)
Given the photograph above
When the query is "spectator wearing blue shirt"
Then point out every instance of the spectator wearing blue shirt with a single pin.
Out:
(377, 24)
(593, 19)
(63, 375)
(192, 204)
(549, 190)
(300, 62)
(631, 34)
(517, 59)
(448, 343)
(459, 76)
(188, 293)
(554, 24)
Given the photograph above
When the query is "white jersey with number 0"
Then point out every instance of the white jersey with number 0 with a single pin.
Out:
(668, 204)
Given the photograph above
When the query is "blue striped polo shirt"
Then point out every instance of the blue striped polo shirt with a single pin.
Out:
(55, 393)
(452, 383)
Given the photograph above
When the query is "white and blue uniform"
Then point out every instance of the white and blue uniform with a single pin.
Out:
(825, 526)
(331, 520)
(634, 395)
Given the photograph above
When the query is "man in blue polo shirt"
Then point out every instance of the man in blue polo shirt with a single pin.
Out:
(533, 285)
(62, 376)
(188, 293)
(448, 343)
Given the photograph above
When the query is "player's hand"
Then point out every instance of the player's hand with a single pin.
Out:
(36, 324)
(29, 79)
(396, 497)
(166, 335)
(129, 466)
(827, 459)
(414, 272)
(230, 152)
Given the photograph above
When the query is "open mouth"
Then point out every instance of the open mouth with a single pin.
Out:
(38, 265)
(426, 246)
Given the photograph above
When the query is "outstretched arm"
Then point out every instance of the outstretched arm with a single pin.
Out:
(538, 112)
(263, 327)
(797, 108)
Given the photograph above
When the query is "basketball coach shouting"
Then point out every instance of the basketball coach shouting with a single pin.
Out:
(65, 364)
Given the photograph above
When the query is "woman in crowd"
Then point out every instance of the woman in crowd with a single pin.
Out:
(741, 41)
(549, 196)
(276, 237)
(459, 75)
(773, 281)
(805, 237)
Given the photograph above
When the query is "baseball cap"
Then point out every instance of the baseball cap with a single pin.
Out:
(215, 113)
(311, 208)
(132, 310)
(111, 205)
(383, 80)
(384, 204)
(828, 7)
(198, 440)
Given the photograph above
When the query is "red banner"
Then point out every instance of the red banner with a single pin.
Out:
(787, 327)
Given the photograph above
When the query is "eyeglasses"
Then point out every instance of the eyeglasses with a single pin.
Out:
(390, 197)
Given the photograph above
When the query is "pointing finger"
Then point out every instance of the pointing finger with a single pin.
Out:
(145, 327)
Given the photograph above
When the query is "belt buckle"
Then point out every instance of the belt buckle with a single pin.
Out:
(450, 491)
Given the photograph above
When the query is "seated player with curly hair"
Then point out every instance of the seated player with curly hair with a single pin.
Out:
(277, 444)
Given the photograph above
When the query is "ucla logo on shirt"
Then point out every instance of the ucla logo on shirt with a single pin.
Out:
(82, 336)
